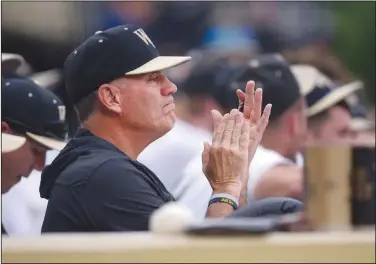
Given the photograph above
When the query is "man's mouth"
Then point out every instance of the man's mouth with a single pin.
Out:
(171, 102)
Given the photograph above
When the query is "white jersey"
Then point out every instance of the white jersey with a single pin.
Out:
(264, 160)
(23, 209)
(195, 191)
(168, 156)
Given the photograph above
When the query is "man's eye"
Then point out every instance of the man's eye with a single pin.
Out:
(154, 78)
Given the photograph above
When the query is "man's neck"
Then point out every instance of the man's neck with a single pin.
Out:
(130, 142)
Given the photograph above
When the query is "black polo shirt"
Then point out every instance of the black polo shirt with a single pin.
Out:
(92, 186)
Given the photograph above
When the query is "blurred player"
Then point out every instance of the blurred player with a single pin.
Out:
(39, 116)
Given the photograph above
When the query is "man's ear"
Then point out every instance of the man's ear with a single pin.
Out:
(109, 98)
(5, 127)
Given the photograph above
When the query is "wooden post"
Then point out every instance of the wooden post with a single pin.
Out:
(340, 186)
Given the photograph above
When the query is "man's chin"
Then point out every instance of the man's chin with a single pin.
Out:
(170, 124)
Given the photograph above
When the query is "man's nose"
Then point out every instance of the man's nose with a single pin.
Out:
(169, 88)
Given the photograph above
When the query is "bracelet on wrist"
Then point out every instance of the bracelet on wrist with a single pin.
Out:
(225, 198)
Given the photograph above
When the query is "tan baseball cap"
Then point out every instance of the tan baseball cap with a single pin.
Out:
(320, 92)
(10, 62)
(10, 142)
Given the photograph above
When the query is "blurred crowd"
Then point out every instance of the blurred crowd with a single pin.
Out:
(285, 47)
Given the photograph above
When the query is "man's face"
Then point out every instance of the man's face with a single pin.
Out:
(21, 162)
(147, 104)
(336, 126)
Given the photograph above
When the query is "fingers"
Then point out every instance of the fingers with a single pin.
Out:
(248, 100)
(264, 120)
(218, 133)
(217, 118)
(226, 140)
(244, 137)
(257, 106)
(239, 120)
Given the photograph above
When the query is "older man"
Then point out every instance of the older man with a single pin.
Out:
(125, 103)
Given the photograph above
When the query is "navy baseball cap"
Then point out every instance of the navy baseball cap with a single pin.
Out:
(272, 73)
(108, 55)
(34, 111)
(213, 78)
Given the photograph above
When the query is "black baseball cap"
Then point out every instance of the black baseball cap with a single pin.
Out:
(213, 77)
(272, 73)
(110, 54)
(34, 111)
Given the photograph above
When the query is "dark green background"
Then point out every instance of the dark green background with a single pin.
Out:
(355, 41)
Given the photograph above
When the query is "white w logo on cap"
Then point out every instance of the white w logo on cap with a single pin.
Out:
(142, 35)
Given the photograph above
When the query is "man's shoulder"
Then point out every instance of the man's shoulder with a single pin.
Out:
(131, 174)
(117, 167)
(85, 166)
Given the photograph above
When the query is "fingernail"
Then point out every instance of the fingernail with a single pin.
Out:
(233, 111)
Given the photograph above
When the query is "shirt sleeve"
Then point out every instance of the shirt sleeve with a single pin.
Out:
(120, 198)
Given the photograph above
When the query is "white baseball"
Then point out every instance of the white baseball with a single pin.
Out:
(171, 218)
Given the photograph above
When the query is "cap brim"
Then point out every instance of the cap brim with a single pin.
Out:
(10, 62)
(308, 77)
(334, 97)
(47, 142)
(361, 124)
(10, 142)
(159, 63)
